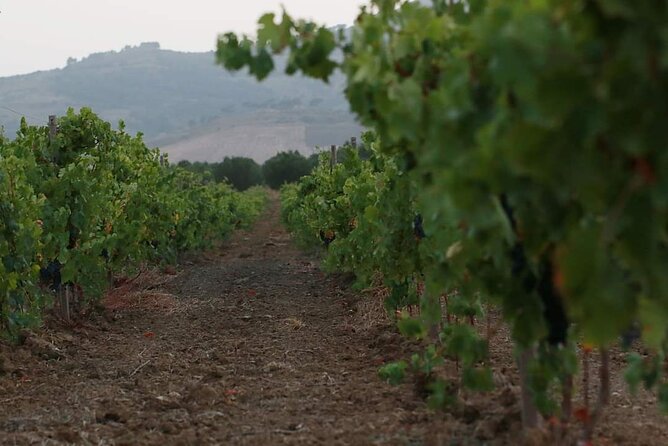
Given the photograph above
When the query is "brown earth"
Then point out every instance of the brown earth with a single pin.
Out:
(252, 344)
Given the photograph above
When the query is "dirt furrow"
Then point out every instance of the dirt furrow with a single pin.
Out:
(249, 344)
(252, 344)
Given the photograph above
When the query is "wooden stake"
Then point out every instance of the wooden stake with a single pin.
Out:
(53, 127)
(530, 418)
(64, 302)
(604, 376)
(567, 398)
(332, 159)
(603, 395)
(488, 322)
(68, 295)
(585, 378)
(64, 292)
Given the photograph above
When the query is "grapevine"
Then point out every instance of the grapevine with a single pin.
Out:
(530, 138)
(93, 201)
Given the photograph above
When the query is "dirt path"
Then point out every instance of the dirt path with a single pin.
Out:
(248, 344)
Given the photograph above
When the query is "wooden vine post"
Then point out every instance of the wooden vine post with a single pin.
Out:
(594, 414)
(332, 158)
(63, 293)
(530, 416)
(53, 127)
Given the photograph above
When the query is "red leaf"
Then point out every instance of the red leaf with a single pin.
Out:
(252, 293)
(231, 392)
(553, 421)
(582, 414)
(645, 171)
(558, 280)
(149, 334)
(587, 347)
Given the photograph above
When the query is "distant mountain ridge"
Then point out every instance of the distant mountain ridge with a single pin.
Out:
(184, 103)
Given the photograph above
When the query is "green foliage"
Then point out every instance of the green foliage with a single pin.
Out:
(241, 172)
(313, 160)
(442, 395)
(20, 234)
(202, 168)
(412, 328)
(426, 362)
(531, 137)
(369, 207)
(96, 200)
(394, 373)
(553, 368)
(285, 167)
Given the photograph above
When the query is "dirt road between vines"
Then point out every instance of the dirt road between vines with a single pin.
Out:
(247, 344)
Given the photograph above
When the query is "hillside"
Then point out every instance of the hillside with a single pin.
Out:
(186, 104)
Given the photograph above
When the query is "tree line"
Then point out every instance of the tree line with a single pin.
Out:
(243, 173)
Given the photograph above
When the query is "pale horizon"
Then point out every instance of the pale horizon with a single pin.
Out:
(38, 35)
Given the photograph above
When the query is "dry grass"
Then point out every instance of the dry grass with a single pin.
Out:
(141, 293)
(371, 311)
(142, 300)
(294, 323)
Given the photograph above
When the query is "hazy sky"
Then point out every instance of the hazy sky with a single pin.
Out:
(42, 34)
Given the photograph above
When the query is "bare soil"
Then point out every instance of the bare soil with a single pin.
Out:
(252, 344)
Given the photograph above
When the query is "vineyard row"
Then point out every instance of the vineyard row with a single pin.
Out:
(527, 140)
(81, 201)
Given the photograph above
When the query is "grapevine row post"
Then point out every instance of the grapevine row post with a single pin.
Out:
(63, 293)
(332, 159)
(53, 127)
(530, 417)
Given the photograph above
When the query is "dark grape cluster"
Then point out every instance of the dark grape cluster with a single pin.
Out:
(418, 229)
(50, 275)
(553, 307)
